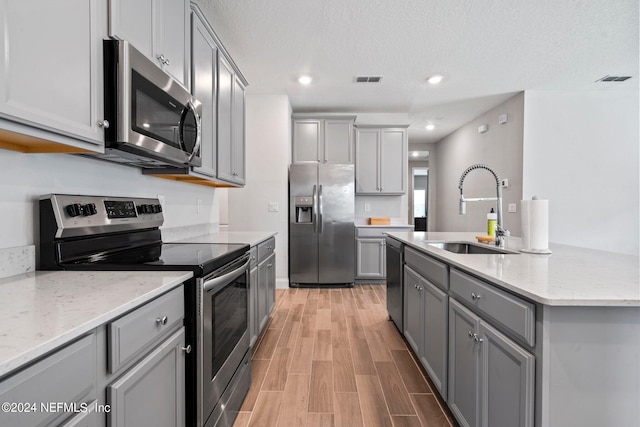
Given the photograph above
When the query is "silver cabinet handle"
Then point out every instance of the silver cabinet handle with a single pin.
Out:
(476, 338)
(187, 349)
(471, 334)
(269, 265)
(475, 296)
(161, 58)
(162, 320)
(104, 124)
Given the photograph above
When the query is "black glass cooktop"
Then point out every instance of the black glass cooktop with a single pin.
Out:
(201, 258)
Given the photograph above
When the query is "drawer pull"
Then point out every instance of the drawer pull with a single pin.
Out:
(187, 349)
(162, 321)
(476, 338)
(475, 296)
(471, 334)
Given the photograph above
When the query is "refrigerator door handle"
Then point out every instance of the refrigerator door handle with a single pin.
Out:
(320, 216)
(314, 214)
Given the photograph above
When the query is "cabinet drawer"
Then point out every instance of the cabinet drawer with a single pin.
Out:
(434, 271)
(379, 232)
(132, 334)
(68, 376)
(510, 312)
(266, 248)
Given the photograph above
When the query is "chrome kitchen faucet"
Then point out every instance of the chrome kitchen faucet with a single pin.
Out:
(501, 232)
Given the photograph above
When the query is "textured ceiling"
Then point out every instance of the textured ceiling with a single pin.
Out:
(487, 51)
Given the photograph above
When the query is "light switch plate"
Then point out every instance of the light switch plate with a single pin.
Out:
(274, 207)
(513, 207)
(367, 207)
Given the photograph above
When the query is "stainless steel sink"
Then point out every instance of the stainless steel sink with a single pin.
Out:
(470, 248)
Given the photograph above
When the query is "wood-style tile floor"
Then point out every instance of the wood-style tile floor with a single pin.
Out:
(332, 357)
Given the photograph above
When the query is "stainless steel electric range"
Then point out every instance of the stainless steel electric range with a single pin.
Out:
(122, 233)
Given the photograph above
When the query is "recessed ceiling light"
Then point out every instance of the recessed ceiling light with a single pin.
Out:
(430, 126)
(304, 80)
(435, 79)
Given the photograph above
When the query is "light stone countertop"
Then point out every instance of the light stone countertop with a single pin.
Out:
(39, 311)
(385, 226)
(570, 276)
(252, 238)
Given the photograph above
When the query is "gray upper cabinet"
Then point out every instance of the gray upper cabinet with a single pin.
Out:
(381, 159)
(157, 28)
(319, 139)
(204, 88)
(51, 73)
(231, 144)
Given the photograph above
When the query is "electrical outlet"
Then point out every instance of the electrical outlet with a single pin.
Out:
(274, 207)
(367, 207)
(505, 183)
(513, 208)
(198, 205)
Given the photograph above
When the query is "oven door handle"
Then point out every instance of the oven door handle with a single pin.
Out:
(225, 278)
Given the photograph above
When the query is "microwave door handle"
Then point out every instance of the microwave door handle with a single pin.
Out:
(225, 278)
(196, 147)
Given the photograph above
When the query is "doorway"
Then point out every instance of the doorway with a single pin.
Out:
(420, 197)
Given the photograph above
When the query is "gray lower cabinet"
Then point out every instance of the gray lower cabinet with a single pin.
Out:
(152, 392)
(371, 259)
(425, 324)
(263, 285)
(491, 378)
(66, 376)
(371, 252)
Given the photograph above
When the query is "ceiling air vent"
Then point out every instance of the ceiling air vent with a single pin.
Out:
(613, 78)
(367, 79)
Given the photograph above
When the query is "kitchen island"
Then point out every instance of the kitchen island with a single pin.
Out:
(566, 325)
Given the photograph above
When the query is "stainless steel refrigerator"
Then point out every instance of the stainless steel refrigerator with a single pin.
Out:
(321, 225)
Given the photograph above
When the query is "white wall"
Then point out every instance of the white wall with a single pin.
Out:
(581, 152)
(25, 177)
(499, 148)
(268, 148)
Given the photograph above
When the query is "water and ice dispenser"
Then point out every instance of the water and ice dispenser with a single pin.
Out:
(304, 209)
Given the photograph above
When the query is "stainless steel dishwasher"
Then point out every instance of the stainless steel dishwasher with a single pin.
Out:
(395, 251)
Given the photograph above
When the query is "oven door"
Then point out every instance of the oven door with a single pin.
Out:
(224, 337)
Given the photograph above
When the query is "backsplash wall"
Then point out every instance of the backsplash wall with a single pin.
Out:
(25, 177)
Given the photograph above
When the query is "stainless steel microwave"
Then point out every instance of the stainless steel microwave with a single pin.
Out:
(151, 120)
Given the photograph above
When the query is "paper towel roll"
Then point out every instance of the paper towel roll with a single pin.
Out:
(534, 216)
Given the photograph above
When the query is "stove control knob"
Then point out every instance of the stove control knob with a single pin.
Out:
(148, 209)
(140, 209)
(157, 208)
(89, 209)
(74, 209)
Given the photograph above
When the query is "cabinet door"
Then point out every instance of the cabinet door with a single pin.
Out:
(338, 141)
(51, 67)
(133, 21)
(307, 136)
(508, 381)
(253, 306)
(204, 66)
(393, 161)
(263, 294)
(237, 133)
(434, 356)
(152, 392)
(271, 283)
(413, 321)
(464, 365)
(172, 39)
(225, 103)
(367, 142)
(371, 259)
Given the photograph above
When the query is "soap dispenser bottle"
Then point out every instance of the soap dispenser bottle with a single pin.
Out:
(492, 223)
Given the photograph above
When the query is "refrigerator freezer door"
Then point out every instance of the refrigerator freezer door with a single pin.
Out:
(303, 240)
(336, 233)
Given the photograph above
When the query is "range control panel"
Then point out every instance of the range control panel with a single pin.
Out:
(76, 214)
